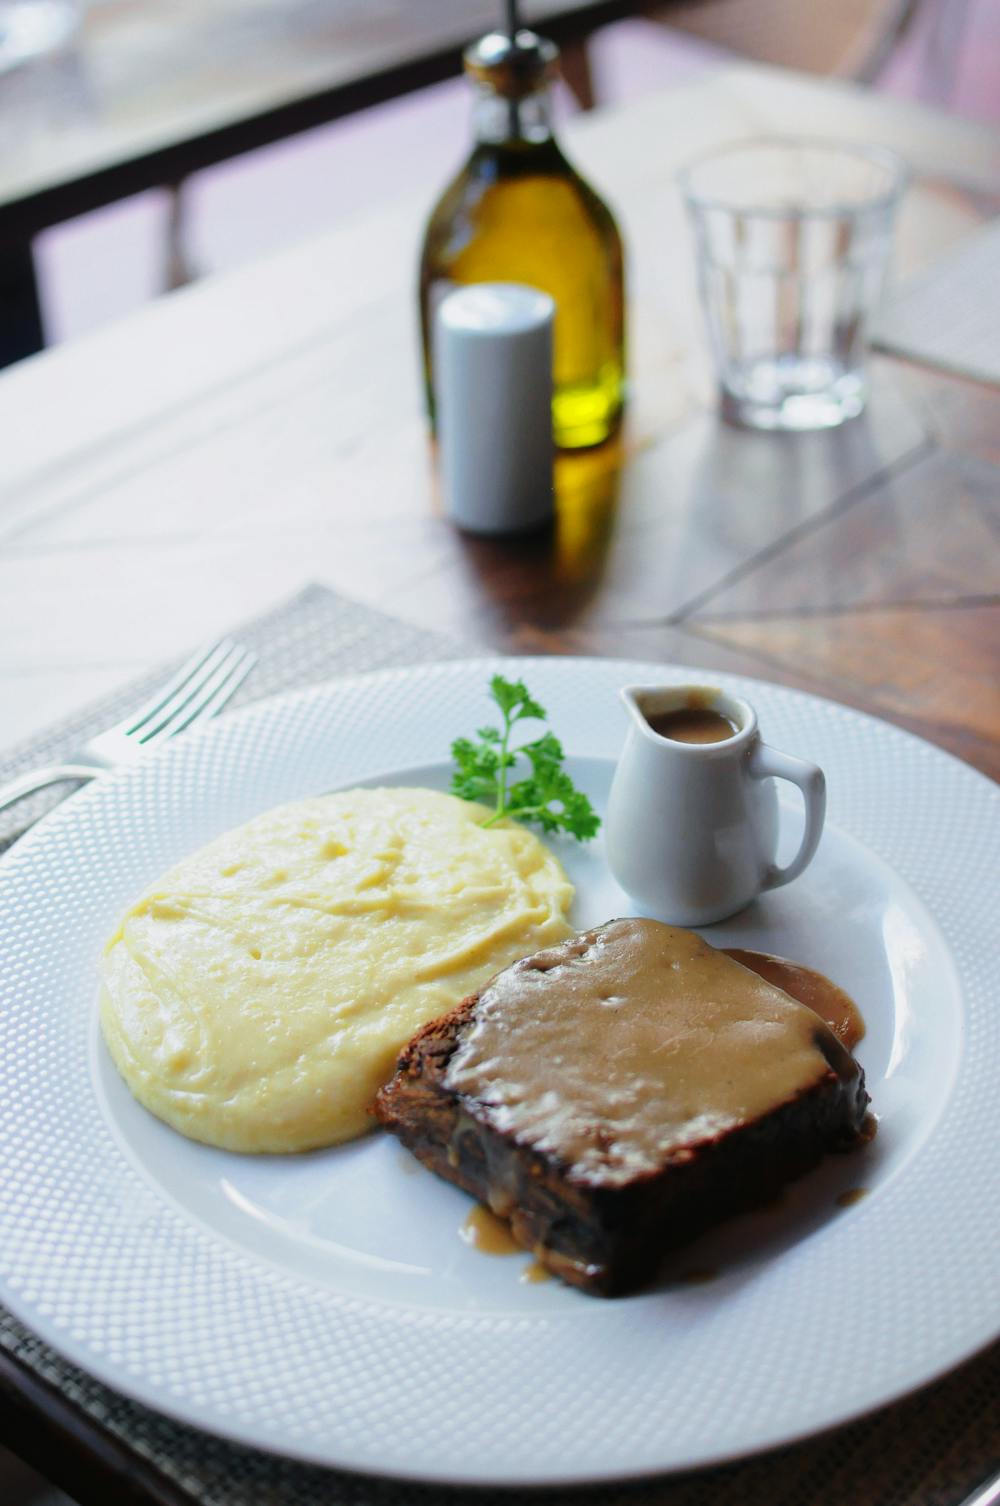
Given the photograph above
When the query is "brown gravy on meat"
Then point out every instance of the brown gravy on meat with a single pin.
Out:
(814, 990)
(627, 1044)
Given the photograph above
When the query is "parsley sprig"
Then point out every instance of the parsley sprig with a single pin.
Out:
(547, 795)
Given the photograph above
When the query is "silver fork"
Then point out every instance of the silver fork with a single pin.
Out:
(199, 689)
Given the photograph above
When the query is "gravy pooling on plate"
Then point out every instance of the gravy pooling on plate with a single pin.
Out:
(818, 992)
(257, 996)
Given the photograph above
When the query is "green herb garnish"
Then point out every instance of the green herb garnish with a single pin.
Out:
(547, 796)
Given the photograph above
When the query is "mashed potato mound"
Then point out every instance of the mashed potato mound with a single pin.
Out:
(257, 996)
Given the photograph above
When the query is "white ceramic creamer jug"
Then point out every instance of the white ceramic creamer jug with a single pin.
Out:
(692, 825)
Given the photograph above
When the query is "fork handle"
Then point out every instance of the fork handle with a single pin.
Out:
(40, 779)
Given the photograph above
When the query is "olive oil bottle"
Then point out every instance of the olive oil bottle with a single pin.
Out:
(519, 212)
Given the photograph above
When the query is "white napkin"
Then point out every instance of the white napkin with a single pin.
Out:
(949, 315)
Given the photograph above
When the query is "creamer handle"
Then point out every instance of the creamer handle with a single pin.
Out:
(768, 763)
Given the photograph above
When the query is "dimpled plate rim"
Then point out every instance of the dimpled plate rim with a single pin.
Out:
(118, 1280)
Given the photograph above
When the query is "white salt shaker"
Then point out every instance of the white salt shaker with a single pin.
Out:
(493, 395)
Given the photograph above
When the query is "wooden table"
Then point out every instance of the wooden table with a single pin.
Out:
(183, 470)
(154, 90)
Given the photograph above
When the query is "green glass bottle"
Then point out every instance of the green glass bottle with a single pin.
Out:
(518, 211)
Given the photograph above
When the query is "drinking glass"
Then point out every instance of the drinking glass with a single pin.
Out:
(793, 239)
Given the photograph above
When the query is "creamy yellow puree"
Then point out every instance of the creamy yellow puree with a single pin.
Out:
(257, 996)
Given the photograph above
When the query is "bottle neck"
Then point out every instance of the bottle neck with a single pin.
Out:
(495, 119)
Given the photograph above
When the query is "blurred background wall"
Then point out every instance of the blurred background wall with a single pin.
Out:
(100, 266)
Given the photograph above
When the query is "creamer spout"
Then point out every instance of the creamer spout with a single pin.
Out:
(630, 700)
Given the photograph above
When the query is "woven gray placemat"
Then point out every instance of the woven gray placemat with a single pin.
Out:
(930, 1450)
(313, 637)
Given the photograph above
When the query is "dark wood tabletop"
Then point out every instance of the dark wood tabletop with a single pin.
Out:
(183, 470)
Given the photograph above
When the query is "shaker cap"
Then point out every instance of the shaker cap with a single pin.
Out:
(512, 66)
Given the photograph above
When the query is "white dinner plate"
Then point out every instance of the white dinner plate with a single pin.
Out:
(324, 1306)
